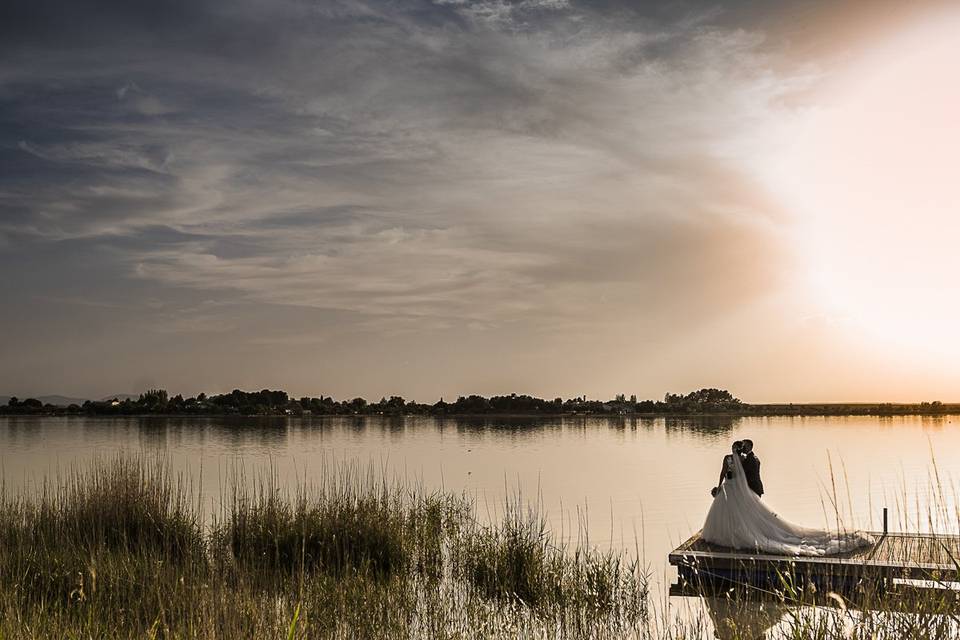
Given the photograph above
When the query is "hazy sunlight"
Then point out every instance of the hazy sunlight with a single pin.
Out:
(873, 179)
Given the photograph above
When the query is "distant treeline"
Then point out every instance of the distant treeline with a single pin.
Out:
(267, 402)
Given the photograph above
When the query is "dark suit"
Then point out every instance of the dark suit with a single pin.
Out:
(751, 468)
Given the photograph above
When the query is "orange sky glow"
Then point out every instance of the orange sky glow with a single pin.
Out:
(870, 173)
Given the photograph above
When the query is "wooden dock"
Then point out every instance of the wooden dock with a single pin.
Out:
(895, 555)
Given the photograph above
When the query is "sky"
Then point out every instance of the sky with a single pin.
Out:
(437, 198)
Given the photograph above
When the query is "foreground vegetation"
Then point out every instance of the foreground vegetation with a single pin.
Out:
(120, 551)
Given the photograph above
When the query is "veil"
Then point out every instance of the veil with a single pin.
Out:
(739, 519)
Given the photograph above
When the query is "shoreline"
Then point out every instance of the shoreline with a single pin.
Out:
(788, 411)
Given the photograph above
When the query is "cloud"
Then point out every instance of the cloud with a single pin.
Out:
(416, 166)
(503, 14)
(120, 156)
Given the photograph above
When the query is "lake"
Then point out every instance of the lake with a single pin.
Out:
(635, 482)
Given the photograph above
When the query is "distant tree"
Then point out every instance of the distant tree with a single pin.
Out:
(317, 406)
(153, 399)
(176, 404)
(646, 406)
(13, 402)
(711, 396)
(702, 400)
(471, 404)
(270, 398)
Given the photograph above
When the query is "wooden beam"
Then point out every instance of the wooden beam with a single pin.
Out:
(895, 555)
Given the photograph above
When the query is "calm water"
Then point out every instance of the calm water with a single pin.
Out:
(642, 483)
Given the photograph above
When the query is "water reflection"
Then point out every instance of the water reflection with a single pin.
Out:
(751, 612)
(742, 618)
(272, 427)
(712, 426)
(643, 482)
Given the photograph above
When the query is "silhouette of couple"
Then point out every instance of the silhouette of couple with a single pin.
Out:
(751, 468)
(738, 519)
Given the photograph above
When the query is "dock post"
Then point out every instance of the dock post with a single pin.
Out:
(884, 521)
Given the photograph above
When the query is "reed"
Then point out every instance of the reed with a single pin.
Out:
(337, 532)
(517, 559)
(118, 551)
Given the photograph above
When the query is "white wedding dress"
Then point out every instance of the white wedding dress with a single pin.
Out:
(740, 520)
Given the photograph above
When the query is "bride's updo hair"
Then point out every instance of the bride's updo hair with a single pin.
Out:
(737, 446)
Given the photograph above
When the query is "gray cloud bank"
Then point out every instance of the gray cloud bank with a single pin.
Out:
(366, 198)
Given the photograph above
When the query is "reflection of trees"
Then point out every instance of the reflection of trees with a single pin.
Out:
(273, 429)
(507, 424)
(237, 430)
(706, 425)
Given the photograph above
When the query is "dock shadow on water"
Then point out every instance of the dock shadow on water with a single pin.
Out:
(119, 550)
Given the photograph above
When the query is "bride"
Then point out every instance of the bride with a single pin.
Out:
(738, 519)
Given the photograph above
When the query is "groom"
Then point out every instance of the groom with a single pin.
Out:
(751, 467)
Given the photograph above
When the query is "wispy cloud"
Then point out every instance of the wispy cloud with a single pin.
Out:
(419, 165)
(503, 13)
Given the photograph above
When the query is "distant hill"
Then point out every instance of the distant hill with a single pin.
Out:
(57, 401)
(66, 401)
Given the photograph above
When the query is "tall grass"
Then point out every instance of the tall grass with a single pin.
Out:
(118, 550)
(112, 542)
(351, 527)
(516, 559)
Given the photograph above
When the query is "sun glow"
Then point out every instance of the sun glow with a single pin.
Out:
(873, 178)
